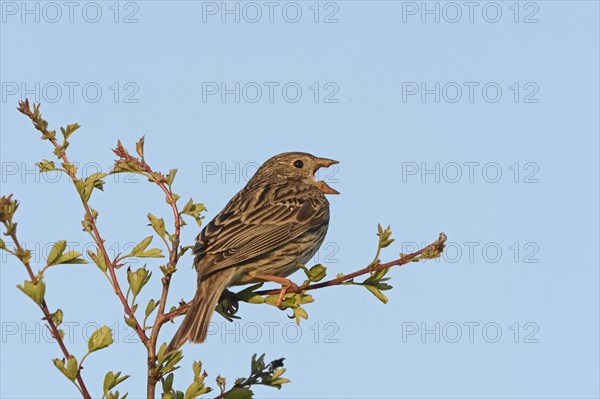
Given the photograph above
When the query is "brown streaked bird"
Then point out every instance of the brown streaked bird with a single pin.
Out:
(276, 222)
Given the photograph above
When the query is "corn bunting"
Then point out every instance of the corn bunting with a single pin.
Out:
(276, 222)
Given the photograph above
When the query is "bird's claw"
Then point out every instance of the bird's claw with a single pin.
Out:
(284, 288)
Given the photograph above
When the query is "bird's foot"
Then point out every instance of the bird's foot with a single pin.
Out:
(284, 288)
(286, 285)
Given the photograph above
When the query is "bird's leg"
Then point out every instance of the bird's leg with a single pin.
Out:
(286, 284)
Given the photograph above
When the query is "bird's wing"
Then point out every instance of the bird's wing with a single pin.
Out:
(257, 222)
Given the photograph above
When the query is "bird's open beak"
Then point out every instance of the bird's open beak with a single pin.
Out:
(321, 185)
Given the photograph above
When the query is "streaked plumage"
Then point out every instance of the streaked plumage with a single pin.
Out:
(277, 221)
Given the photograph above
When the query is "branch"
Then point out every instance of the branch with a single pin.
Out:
(159, 179)
(268, 374)
(42, 125)
(430, 251)
(43, 306)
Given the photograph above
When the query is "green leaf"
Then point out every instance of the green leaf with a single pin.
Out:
(111, 380)
(167, 361)
(156, 177)
(150, 307)
(194, 209)
(69, 130)
(384, 286)
(171, 176)
(87, 225)
(162, 353)
(70, 168)
(167, 383)
(93, 181)
(194, 390)
(46, 166)
(300, 313)
(101, 338)
(34, 291)
(248, 295)
(98, 259)
(303, 299)
(386, 243)
(197, 387)
(56, 251)
(197, 367)
(71, 257)
(24, 255)
(2, 244)
(57, 255)
(130, 321)
(80, 186)
(138, 279)
(239, 393)
(278, 372)
(171, 201)
(317, 273)
(278, 382)
(379, 274)
(94, 177)
(126, 166)
(139, 250)
(384, 236)
(158, 224)
(57, 317)
(70, 370)
(151, 253)
(60, 364)
(377, 293)
(141, 246)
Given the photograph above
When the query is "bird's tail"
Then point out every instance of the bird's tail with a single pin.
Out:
(197, 319)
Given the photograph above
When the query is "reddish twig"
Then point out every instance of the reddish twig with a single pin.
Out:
(166, 281)
(48, 317)
(438, 245)
(26, 110)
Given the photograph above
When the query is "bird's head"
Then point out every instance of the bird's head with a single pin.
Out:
(294, 166)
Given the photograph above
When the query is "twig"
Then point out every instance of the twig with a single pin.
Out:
(48, 318)
(235, 386)
(144, 169)
(166, 281)
(437, 245)
(26, 110)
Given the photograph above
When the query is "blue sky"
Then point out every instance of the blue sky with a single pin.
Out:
(477, 120)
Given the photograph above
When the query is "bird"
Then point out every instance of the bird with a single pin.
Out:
(270, 228)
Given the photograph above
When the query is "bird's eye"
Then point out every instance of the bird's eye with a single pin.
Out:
(299, 164)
